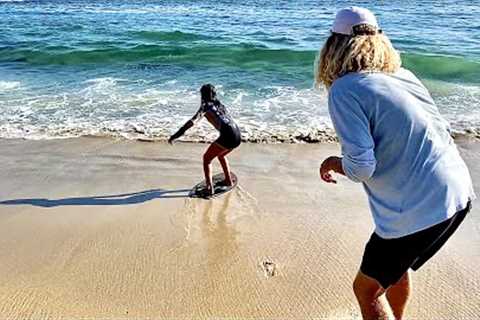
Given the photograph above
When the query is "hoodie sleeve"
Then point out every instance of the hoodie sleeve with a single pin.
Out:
(353, 130)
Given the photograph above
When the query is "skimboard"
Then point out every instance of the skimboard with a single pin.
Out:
(219, 188)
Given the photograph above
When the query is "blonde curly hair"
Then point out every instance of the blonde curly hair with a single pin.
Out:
(368, 49)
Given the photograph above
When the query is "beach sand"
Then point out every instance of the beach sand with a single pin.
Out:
(102, 228)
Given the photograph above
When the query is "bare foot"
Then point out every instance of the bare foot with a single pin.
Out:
(209, 189)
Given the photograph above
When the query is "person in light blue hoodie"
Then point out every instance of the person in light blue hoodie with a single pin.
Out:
(395, 142)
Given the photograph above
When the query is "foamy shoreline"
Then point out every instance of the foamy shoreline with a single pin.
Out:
(100, 228)
(318, 137)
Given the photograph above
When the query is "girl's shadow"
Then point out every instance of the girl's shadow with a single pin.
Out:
(108, 200)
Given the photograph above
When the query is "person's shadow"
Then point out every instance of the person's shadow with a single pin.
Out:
(108, 200)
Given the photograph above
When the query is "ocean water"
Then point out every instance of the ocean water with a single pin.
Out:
(133, 68)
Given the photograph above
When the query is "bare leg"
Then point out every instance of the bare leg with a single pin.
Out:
(368, 292)
(212, 152)
(225, 166)
(398, 294)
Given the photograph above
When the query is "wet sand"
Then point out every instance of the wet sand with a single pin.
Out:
(102, 228)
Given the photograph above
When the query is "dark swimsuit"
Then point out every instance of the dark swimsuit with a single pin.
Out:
(230, 136)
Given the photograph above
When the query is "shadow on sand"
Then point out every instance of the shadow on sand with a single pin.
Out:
(109, 200)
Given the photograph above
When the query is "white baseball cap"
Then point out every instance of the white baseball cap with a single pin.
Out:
(349, 17)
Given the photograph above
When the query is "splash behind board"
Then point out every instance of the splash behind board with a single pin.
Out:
(200, 189)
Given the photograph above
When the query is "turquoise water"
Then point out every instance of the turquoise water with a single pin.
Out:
(72, 68)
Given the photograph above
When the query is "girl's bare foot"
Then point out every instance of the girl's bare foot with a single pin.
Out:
(209, 189)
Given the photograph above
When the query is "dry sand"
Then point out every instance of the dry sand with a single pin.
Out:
(102, 228)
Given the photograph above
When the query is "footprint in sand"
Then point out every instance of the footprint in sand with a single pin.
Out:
(269, 268)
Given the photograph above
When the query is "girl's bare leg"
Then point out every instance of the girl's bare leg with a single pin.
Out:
(212, 152)
(225, 166)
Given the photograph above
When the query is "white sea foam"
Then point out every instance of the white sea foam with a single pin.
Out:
(459, 103)
(106, 106)
(9, 85)
(119, 107)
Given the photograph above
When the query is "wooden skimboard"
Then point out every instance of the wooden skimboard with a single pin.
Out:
(200, 189)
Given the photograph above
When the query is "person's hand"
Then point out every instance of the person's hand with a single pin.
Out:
(328, 165)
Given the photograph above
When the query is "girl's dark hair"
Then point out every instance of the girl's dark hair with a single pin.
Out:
(208, 93)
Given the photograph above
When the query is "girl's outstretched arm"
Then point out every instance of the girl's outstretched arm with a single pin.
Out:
(181, 131)
(188, 124)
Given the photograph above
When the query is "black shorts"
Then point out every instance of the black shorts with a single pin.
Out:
(386, 260)
(230, 136)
